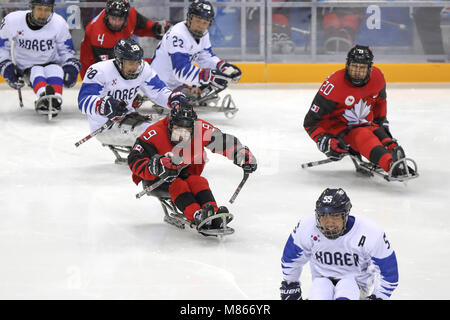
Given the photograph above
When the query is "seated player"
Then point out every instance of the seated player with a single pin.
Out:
(43, 54)
(350, 257)
(172, 149)
(349, 111)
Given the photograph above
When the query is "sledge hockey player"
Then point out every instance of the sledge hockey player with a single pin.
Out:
(172, 149)
(43, 54)
(187, 43)
(117, 21)
(348, 115)
(350, 257)
(108, 91)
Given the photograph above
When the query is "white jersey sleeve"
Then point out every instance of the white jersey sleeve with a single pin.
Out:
(206, 58)
(64, 43)
(5, 39)
(385, 262)
(154, 88)
(296, 253)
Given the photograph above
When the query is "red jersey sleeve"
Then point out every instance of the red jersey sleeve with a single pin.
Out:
(142, 27)
(380, 107)
(86, 56)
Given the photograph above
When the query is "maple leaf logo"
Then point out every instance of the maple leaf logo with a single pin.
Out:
(357, 114)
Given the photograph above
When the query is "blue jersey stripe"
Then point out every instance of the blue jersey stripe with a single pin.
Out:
(291, 251)
(156, 83)
(388, 268)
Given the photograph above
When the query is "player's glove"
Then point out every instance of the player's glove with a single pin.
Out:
(334, 148)
(138, 101)
(11, 74)
(230, 70)
(291, 291)
(111, 108)
(213, 77)
(177, 98)
(71, 69)
(159, 28)
(384, 123)
(245, 159)
(373, 297)
(163, 167)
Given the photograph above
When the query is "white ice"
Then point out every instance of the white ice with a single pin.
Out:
(71, 228)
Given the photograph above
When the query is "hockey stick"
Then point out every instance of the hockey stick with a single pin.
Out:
(238, 189)
(155, 185)
(107, 124)
(316, 163)
(19, 90)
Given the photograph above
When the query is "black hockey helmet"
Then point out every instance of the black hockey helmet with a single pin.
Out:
(333, 202)
(117, 8)
(182, 115)
(202, 9)
(363, 55)
(41, 22)
(128, 49)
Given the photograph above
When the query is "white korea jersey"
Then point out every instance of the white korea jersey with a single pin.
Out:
(362, 253)
(103, 79)
(50, 44)
(176, 54)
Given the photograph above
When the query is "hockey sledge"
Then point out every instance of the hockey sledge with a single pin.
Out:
(173, 216)
(52, 110)
(369, 169)
(205, 100)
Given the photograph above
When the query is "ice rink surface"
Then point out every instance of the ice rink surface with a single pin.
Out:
(71, 228)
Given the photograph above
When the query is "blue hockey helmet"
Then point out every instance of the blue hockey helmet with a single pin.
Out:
(202, 9)
(334, 202)
(362, 55)
(128, 50)
(41, 21)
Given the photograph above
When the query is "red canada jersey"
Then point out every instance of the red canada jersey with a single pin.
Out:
(338, 105)
(99, 41)
(156, 140)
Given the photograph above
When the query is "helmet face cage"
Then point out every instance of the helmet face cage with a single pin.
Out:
(363, 55)
(48, 3)
(332, 202)
(182, 116)
(201, 9)
(128, 49)
(117, 8)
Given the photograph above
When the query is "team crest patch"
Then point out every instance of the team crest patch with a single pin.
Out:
(349, 100)
(138, 148)
(315, 108)
(315, 238)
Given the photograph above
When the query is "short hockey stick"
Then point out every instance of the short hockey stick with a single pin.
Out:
(238, 189)
(315, 163)
(19, 90)
(155, 185)
(96, 132)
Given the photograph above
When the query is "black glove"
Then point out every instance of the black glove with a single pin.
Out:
(333, 147)
(111, 108)
(245, 159)
(159, 28)
(230, 70)
(373, 297)
(71, 69)
(11, 74)
(177, 98)
(213, 77)
(138, 101)
(384, 123)
(291, 291)
(163, 167)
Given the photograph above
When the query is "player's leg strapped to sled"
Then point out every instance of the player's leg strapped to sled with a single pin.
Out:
(386, 158)
(189, 201)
